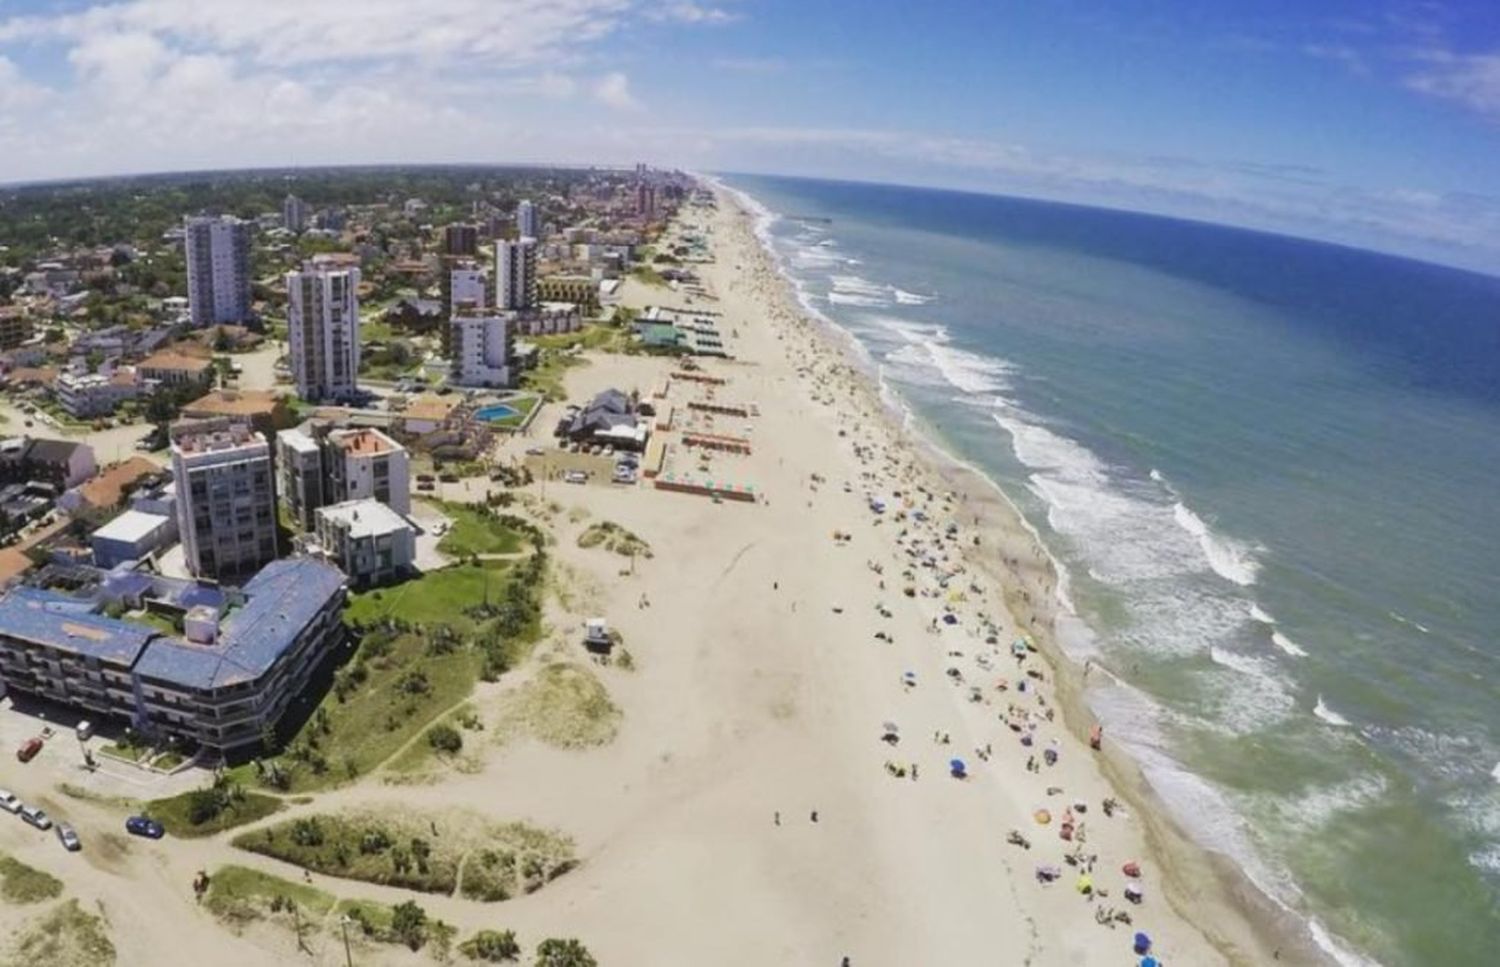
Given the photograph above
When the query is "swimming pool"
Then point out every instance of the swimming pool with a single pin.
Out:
(495, 412)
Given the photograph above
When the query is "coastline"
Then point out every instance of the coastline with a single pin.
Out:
(1208, 889)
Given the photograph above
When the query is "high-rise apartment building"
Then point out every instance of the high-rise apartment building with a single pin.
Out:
(218, 268)
(226, 498)
(294, 214)
(645, 200)
(481, 347)
(323, 328)
(461, 239)
(515, 274)
(318, 465)
(528, 220)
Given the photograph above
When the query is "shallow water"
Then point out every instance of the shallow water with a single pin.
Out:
(1269, 467)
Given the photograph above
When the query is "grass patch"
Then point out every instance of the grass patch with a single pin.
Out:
(176, 813)
(546, 377)
(613, 537)
(88, 795)
(239, 895)
(20, 883)
(563, 705)
(491, 946)
(436, 598)
(523, 405)
(68, 936)
(648, 275)
(416, 854)
(476, 531)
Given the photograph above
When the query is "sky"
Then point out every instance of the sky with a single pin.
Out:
(1374, 123)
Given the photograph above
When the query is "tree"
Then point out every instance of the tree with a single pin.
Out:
(555, 952)
(409, 924)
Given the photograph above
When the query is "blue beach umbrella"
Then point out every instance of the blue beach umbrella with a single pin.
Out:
(1142, 943)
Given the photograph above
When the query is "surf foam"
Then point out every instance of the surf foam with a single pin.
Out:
(1229, 559)
(1322, 711)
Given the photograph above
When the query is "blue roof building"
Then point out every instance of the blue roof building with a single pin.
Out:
(220, 685)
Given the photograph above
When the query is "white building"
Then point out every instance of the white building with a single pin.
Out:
(318, 465)
(218, 266)
(481, 349)
(367, 540)
(323, 329)
(131, 536)
(465, 287)
(89, 395)
(294, 213)
(515, 274)
(226, 502)
(528, 221)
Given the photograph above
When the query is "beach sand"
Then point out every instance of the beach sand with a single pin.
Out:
(768, 656)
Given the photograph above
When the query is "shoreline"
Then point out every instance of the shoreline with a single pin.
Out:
(1207, 888)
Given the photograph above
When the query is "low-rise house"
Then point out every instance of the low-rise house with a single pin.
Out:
(609, 419)
(368, 540)
(91, 395)
(266, 410)
(62, 463)
(107, 491)
(172, 368)
(132, 536)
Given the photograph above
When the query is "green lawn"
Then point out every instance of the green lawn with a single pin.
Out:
(20, 883)
(547, 376)
(474, 532)
(174, 813)
(523, 405)
(435, 598)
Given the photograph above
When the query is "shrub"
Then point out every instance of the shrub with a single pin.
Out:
(307, 832)
(409, 924)
(555, 952)
(491, 945)
(445, 738)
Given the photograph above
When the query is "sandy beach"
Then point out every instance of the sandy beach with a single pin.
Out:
(754, 808)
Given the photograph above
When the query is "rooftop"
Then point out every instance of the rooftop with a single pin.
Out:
(171, 359)
(131, 526)
(229, 402)
(108, 488)
(365, 518)
(68, 624)
(364, 442)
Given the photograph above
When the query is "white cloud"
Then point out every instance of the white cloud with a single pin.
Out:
(1472, 80)
(15, 90)
(613, 89)
(692, 13)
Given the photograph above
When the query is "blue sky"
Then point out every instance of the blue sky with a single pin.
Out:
(1374, 123)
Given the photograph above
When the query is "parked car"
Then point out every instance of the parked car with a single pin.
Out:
(448, 477)
(68, 836)
(535, 452)
(9, 801)
(576, 476)
(29, 749)
(36, 817)
(425, 485)
(144, 826)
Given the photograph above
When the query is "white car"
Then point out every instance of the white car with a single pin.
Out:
(9, 802)
(36, 817)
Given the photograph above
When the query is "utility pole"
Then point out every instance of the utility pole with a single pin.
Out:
(344, 926)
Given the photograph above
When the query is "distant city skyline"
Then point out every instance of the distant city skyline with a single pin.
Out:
(1375, 124)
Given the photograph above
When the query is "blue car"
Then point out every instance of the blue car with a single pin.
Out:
(143, 826)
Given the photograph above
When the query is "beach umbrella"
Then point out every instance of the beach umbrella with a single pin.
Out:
(956, 768)
(1142, 943)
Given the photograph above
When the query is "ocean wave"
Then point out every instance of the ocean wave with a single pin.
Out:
(846, 299)
(856, 285)
(1314, 808)
(1248, 695)
(1229, 559)
(1287, 645)
(910, 298)
(1257, 614)
(1322, 711)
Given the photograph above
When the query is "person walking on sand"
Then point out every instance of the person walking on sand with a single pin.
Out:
(778, 817)
(814, 815)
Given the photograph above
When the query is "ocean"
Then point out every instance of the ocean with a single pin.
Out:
(1269, 471)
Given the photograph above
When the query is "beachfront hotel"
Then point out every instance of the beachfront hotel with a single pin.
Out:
(481, 347)
(242, 657)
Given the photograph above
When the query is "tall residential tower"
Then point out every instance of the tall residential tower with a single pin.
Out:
(515, 274)
(323, 328)
(226, 501)
(218, 267)
(528, 221)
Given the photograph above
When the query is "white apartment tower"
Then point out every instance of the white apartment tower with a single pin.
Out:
(226, 501)
(480, 353)
(294, 212)
(318, 465)
(323, 329)
(528, 222)
(515, 274)
(218, 267)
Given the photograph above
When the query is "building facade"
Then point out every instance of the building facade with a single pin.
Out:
(226, 500)
(515, 274)
(294, 214)
(481, 348)
(367, 540)
(528, 220)
(221, 686)
(461, 239)
(318, 465)
(94, 394)
(218, 266)
(323, 330)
